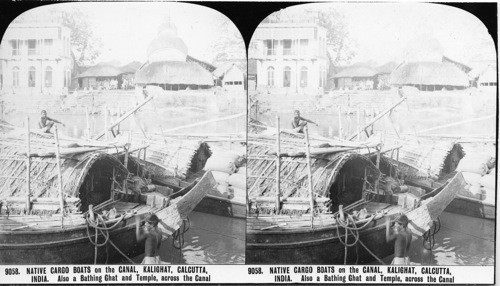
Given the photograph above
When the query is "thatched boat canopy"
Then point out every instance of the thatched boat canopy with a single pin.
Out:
(421, 157)
(86, 174)
(173, 72)
(429, 73)
(336, 178)
(174, 158)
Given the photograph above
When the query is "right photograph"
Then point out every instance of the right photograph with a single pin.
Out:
(371, 136)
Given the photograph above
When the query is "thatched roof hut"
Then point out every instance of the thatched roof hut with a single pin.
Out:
(173, 73)
(356, 72)
(434, 74)
(101, 71)
(423, 157)
(87, 175)
(131, 67)
(337, 178)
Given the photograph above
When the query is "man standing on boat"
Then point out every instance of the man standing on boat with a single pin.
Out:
(299, 122)
(402, 237)
(152, 236)
(46, 122)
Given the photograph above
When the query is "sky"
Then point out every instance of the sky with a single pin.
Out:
(126, 29)
(384, 31)
(381, 32)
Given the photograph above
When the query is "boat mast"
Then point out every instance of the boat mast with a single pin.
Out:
(311, 193)
(58, 159)
(278, 165)
(28, 166)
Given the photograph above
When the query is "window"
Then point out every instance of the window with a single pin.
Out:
(48, 46)
(31, 77)
(287, 75)
(48, 77)
(270, 46)
(303, 47)
(303, 77)
(15, 76)
(14, 44)
(287, 47)
(270, 76)
(31, 47)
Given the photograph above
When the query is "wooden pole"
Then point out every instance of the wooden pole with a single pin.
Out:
(457, 123)
(58, 159)
(105, 112)
(340, 124)
(278, 165)
(377, 118)
(358, 131)
(123, 117)
(311, 192)
(28, 166)
(207, 121)
(87, 117)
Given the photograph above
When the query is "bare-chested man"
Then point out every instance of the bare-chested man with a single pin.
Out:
(46, 122)
(152, 237)
(402, 239)
(299, 122)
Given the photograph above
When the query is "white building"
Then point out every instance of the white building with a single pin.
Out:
(36, 58)
(230, 77)
(291, 57)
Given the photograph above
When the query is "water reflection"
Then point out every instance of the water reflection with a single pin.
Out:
(211, 239)
(462, 240)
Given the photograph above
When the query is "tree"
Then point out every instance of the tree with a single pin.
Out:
(85, 46)
(339, 43)
(229, 45)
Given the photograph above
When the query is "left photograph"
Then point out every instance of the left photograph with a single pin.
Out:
(122, 136)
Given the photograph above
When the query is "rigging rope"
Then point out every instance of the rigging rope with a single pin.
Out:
(428, 237)
(104, 231)
(355, 233)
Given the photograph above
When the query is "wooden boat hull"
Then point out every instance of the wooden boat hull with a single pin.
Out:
(68, 246)
(315, 246)
(471, 207)
(221, 206)
(322, 245)
(73, 245)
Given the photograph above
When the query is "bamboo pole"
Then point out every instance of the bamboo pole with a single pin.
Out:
(123, 117)
(358, 122)
(278, 165)
(457, 123)
(206, 121)
(340, 123)
(105, 112)
(87, 117)
(28, 166)
(377, 117)
(61, 195)
(311, 193)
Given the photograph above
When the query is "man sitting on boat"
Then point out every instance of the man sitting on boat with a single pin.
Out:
(46, 122)
(152, 236)
(402, 239)
(299, 122)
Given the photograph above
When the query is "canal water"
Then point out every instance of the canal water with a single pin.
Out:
(211, 239)
(462, 240)
(155, 122)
